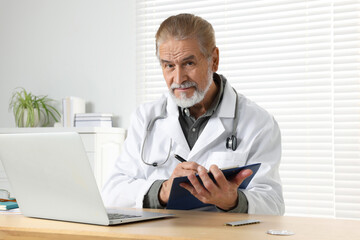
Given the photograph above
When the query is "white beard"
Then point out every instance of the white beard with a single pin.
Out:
(198, 95)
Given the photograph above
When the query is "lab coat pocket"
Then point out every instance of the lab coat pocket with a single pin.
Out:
(227, 159)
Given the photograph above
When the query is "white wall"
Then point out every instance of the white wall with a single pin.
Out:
(60, 48)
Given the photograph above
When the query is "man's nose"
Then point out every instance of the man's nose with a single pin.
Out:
(180, 75)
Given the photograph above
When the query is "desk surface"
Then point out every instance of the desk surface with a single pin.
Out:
(186, 225)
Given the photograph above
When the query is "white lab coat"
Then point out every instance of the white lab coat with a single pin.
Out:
(257, 132)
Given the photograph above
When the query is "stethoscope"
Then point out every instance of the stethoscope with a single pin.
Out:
(231, 142)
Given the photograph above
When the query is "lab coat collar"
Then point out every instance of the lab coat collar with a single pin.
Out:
(173, 128)
(215, 127)
(226, 108)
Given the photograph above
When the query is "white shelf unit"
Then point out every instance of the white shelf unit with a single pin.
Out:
(102, 145)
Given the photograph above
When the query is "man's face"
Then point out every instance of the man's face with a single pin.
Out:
(188, 74)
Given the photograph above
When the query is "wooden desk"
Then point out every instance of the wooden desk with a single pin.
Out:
(186, 225)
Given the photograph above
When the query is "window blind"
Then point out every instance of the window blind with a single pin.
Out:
(300, 61)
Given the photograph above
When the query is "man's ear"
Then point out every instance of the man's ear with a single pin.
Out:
(215, 59)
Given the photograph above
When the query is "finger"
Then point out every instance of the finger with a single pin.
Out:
(189, 165)
(241, 176)
(198, 187)
(183, 172)
(208, 183)
(185, 169)
(192, 190)
(219, 177)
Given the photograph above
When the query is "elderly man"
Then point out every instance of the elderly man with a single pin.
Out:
(204, 120)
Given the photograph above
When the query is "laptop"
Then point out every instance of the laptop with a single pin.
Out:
(51, 178)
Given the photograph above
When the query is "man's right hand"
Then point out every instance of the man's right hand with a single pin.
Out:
(181, 170)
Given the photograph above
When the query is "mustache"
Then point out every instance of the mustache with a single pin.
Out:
(185, 84)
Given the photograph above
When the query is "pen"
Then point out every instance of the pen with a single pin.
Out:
(179, 158)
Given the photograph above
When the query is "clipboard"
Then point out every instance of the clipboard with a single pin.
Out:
(182, 199)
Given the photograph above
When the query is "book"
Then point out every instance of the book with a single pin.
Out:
(93, 115)
(93, 120)
(8, 205)
(93, 123)
(182, 199)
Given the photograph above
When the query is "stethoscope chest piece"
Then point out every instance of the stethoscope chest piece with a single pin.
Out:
(231, 143)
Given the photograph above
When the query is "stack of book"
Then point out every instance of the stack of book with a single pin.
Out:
(7, 204)
(93, 120)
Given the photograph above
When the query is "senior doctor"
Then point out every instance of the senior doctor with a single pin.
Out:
(204, 120)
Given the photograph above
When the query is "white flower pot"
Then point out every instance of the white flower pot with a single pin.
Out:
(23, 120)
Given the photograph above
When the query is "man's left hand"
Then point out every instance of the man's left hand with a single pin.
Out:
(222, 193)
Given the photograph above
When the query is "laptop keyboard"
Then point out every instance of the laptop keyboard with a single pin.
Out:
(113, 216)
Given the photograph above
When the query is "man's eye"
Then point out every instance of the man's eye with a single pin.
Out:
(190, 63)
(169, 65)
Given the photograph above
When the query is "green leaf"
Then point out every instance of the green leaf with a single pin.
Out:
(22, 101)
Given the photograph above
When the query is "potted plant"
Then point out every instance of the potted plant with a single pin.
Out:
(32, 111)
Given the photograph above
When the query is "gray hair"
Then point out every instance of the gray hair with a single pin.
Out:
(187, 26)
